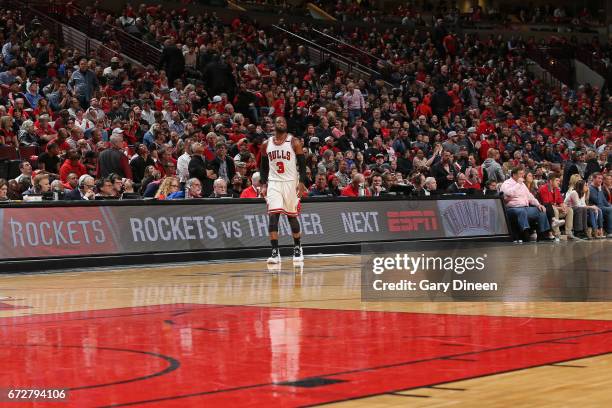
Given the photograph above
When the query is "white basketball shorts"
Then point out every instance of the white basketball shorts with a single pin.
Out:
(282, 198)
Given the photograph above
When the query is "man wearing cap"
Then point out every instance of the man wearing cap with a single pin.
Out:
(329, 145)
(113, 160)
(32, 95)
(451, 143)
(112, 71)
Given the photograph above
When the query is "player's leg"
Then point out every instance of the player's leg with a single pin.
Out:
(298, 256)
(273, 229)
(274, 200)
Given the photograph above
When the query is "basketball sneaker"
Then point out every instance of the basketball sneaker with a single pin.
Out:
(275, 258)
(298, 256)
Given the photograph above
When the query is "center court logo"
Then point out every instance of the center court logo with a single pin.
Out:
(399, 221)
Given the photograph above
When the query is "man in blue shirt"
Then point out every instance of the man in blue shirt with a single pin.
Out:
(32, 95)
(597, 196)
(83, 83)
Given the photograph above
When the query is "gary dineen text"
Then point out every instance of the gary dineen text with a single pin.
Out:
(426, 285)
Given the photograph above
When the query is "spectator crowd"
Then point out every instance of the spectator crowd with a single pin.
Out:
(463, 116)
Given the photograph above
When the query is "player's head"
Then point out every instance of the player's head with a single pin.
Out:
(280, 124)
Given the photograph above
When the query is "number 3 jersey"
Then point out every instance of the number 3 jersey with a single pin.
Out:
(283, 165)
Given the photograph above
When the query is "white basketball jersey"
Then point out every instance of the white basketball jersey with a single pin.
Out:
(283, 165)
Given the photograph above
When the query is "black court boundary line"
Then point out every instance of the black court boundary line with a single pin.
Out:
(433, 385)
(173, 364)
(269, 305)
(196, 394)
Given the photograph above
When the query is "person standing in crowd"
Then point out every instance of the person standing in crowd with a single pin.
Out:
(83, 83)
(172, 61)
(222, 166)
(353, 102)
(198, 169)
(113, 160)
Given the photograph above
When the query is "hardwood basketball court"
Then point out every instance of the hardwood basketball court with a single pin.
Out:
(240, 334)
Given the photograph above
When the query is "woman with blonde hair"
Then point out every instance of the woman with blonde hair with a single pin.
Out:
(7, 136)
(572, 182)
(168, 186)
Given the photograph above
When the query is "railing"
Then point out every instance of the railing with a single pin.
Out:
(557, 61)
(71, 15)
(586, 56)
(359, 70)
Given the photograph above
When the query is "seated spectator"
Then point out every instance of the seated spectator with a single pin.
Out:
(72, 182)
(357, 188)
(128, 191)
(105, 189)
(25, 177)
(220, 189)
(523, 207)
(431, 186)
(27, 134)
(459, 185)
(193, 189)
(85, 191)
(117, 184)
(333, 184)
(49, 161)
(598, 197)
(491, 188)
(3, 190)
(377, 189)
(586, 218)
(40, 185)
(72, 164)
(237, 186)
(168, 186)
(319, 188)
(253, 191)
(550, 197)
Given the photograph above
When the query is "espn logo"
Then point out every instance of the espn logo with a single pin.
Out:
(412, 221)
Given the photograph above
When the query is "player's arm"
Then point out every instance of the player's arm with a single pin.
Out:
(300, 157)
(264, 168)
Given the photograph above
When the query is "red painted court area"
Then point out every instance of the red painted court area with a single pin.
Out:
(205, 355)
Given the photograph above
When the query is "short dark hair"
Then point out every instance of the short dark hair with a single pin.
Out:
(516, 170)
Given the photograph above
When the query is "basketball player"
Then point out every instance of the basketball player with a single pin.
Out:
(283, 172)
